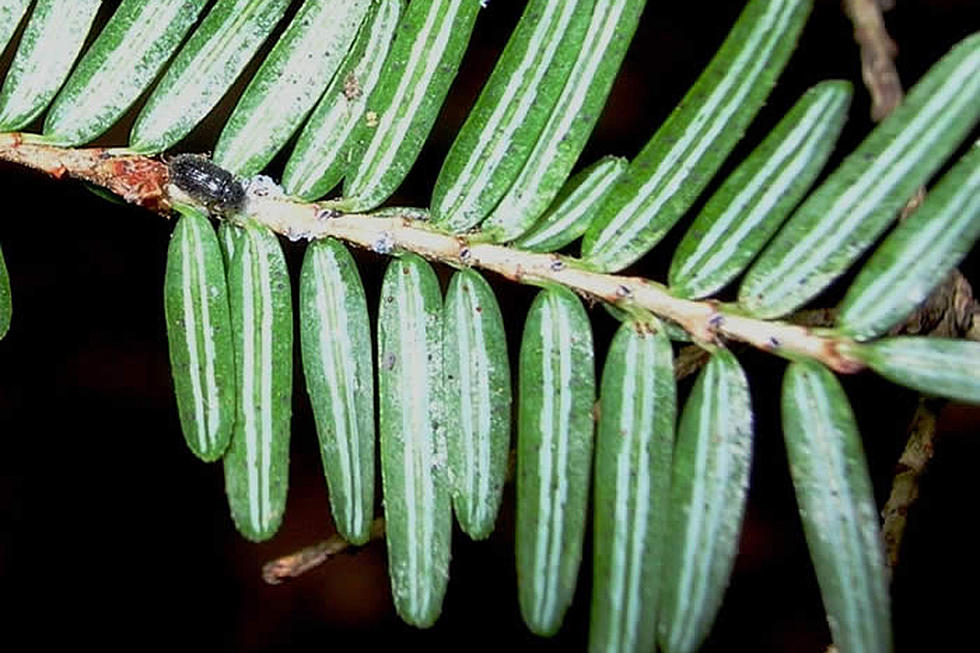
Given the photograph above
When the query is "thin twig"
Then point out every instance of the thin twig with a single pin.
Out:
(911, 465)
(708, 322)
(310, 557)
(878, 52)
(692, 358)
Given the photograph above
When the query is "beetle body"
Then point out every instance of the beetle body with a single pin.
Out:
(211, 185)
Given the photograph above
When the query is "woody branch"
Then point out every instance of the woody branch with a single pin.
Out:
(145, 182)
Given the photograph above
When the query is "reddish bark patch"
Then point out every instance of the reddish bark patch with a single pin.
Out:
(139, 180)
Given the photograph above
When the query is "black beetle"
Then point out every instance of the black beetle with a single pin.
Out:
(209, 184)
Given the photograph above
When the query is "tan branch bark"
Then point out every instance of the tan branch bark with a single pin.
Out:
(710, 323)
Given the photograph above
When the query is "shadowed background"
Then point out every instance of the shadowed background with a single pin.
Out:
(112, 533)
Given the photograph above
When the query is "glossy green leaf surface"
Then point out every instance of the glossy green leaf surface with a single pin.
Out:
(52, 40)
(5, 304)
(837, 507)
(934, 366)
(571, 121)
(422, 63)
(679, 160)
(501, 129)
(556, 392)
(289, 83)
(478, 401)
(859, 200)
(574, 208)
(257, 462)
(321, 156)
(121, 63)
(418, 515)
(335, 336)
(11, 13)
(917, 255)
(708, 489)
(753, 202)
(203, 70)
(199, 332)
(634, 445)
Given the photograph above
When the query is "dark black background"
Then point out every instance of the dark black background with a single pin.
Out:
(113, 534)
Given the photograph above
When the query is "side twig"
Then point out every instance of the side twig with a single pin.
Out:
(950, 311)
(307, 558)
(878, 52)
(911, 465)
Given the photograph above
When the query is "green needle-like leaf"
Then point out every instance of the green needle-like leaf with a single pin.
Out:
(571, 121)
(418, 516)
(508, 117)
(917, 256)
(554, 455)
(321, 157)
(935, 366)
(851, 209)
(125, 58)
(837, 507)
(215, 55)
(289, 83)
(708, 488)
(229, 237)
(422, 63)
(574, 208)
(199, 331)
(478, 401)
(11, 13)
(336, 342)
(257, 462)
(673, 168)
(409, 212)
(754, 201)
(632, 488)
(5, 305)
(50, 45)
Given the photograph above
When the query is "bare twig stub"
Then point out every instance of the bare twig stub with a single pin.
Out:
(307, 558)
